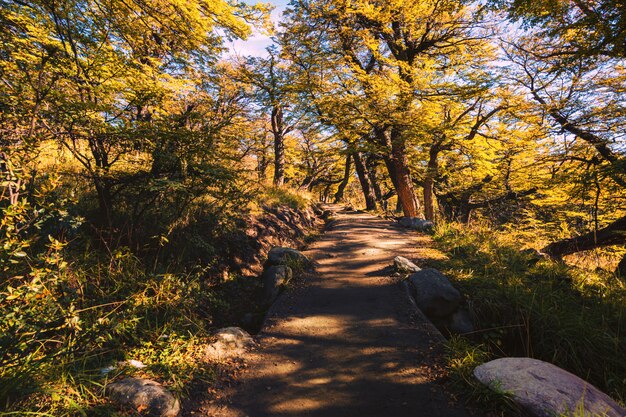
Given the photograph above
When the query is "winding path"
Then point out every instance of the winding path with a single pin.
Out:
(347, 342)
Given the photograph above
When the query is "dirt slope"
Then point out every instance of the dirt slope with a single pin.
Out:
(347, 342)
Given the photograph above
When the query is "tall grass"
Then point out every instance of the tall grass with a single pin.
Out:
(526, 306)
(283, 196)
(76, 298)
(61, 328)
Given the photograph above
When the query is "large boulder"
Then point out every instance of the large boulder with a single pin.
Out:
(230, 342)
(545, 390)
(404, 266)
(273, 278)
(295, 259)
(434, 294)
(416, 223)
(143, 396)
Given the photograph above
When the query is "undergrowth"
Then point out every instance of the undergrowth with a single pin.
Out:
(74, 303)
(64, 325)
(523, 305)
(282, 196)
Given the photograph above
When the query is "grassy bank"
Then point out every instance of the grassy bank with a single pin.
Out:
(74, 301)
(523, 305)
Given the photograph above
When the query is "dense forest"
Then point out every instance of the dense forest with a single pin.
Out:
(135, 150)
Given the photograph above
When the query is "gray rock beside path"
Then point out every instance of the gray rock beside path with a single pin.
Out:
(235, 337)
(288, 256)
(434, 294)
(274, 277)
(231, 341)
(546, 390)
(404, 266)
(144, 396)
(460, 322)
(416, 223)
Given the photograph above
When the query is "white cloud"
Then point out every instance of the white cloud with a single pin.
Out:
(255, 45)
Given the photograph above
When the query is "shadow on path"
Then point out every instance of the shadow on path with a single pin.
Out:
(348, 342)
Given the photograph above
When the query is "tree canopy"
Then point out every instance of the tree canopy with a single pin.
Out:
(130, 133)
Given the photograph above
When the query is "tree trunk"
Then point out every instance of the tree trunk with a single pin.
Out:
(372, 168)
(621, 268)
(366, 186)
(398, 166)
(346, 178)
(613, 234)
(104, 200)
(262, 164)
(279, 146)
(392, 175)
(432, 171)
(404, 187)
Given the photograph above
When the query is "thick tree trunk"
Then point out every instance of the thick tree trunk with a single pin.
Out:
(366, 186)
(346, 178)
(279, 146)
(398, 166)
(429, 198)
(613, 234)
(404, 187)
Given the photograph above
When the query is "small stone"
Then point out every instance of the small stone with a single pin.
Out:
(134, 363)
(403, 265)
(234, 336)
(143, 396)
(231, 341)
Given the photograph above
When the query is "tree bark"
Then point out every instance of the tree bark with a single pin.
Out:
(366, 185)
(372, 168)
(346, 178)
(262, 163)
(404, 187)
(392, 176)
(398, 167)
(613, 234)
(279, 145)
(432, 170)
(456, 206)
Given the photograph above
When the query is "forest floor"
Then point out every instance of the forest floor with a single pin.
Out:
(345, 340)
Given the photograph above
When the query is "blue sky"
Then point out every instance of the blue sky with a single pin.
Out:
(256, 44)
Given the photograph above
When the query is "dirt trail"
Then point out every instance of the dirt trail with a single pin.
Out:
(348, 342)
